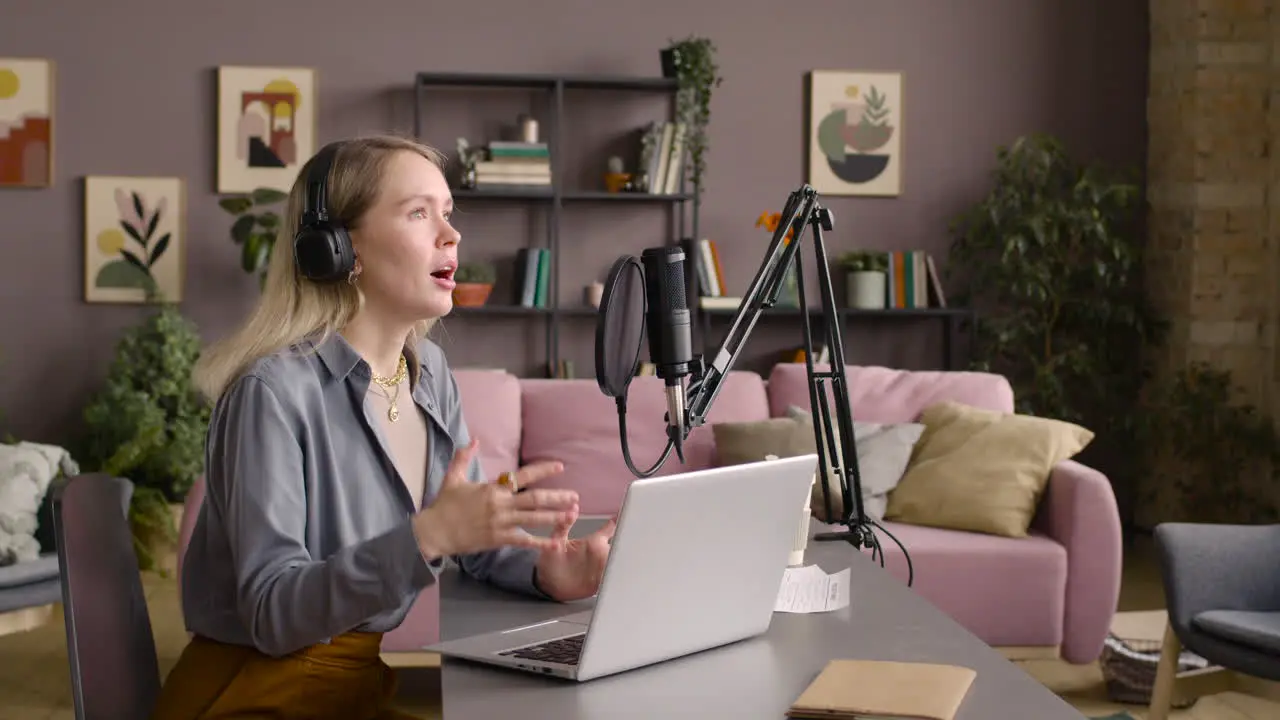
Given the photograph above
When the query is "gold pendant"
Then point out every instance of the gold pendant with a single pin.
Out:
(393, 413)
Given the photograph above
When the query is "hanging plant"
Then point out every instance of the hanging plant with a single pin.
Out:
(692, 63)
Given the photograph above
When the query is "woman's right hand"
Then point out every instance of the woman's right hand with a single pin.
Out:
(468, 517)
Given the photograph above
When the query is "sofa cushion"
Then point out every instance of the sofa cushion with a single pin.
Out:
(1008, 591)
(738, 443)
(884, 395)
(1257, 630)
(491, 408)
(883, 453)
(884, 450)
(573, 422)
(982, 470)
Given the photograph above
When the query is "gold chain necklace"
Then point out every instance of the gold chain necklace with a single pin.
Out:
(393, 383)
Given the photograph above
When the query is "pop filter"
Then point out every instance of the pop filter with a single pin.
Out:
(620, 327)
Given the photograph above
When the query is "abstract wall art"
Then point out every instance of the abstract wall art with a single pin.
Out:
(855, 133)
(134, 239)
(266, 126)
(26, 122)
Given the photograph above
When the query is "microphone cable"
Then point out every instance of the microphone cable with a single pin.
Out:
(877, 550)
(621, 402)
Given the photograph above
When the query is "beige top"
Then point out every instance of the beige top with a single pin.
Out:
(407, 436)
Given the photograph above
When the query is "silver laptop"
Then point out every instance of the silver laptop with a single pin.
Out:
(696, 563)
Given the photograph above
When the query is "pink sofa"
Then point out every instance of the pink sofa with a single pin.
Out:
(1055, 591)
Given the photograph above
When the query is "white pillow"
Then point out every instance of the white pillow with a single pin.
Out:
(26, 470)
(884, 450)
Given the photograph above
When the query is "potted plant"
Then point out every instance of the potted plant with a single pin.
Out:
(474, 283)
(1214, 456)
(692, 63)
(867, 272)
(1051, 262)
(148, 423)
(255, 228)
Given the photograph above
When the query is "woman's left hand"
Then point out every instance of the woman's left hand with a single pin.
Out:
(573, 569)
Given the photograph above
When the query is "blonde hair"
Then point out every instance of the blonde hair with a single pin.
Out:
(291, 307)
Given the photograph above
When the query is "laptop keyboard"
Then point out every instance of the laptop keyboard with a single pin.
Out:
(565, 650)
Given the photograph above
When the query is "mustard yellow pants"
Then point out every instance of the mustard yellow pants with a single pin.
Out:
(345, 678)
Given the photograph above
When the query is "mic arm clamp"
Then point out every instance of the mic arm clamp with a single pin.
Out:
(803, 212)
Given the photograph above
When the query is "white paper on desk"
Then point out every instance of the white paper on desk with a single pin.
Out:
(809, 589)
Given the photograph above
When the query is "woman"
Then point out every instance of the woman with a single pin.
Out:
(340, 471)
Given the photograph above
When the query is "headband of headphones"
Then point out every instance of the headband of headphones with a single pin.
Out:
(315, 210)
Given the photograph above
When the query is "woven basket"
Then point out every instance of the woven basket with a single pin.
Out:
(1129, 668)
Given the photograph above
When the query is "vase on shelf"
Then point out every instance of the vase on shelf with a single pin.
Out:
(867, 290)
(467, 181)
(471, 294)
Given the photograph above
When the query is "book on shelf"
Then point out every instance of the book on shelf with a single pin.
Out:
(913, 281)
(515, 166)
(663, 156)
(707, 302)
(533, 267)
(564, 371)
(710, 271)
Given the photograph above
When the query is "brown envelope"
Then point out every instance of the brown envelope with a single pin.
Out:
(869, 689)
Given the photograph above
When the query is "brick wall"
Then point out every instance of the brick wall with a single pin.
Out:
(1212, 181)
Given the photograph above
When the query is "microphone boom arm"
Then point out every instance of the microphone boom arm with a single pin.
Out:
(802, 212)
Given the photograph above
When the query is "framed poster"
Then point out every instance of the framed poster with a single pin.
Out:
(266, 126)
(26, 122)
(134, 238)
(855, 133)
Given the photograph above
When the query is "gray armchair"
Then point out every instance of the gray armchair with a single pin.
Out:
(30, 589)
(1222, 585)
(28, 593)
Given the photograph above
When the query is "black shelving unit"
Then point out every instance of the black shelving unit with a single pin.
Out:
(557, 196)
(953, 322)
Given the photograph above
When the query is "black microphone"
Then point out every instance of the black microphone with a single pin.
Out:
(670, 342)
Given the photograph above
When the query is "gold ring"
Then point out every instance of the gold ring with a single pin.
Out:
(508, 480)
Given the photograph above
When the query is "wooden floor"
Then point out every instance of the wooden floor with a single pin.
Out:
(34, 681)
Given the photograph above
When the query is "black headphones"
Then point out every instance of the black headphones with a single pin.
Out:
(322, 248)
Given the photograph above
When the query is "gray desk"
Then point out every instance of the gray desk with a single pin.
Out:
(757, 678)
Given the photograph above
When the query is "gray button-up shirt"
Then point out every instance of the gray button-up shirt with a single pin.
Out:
(305, 532)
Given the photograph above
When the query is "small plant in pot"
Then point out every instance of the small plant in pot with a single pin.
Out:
(474, 283)
(867, 272)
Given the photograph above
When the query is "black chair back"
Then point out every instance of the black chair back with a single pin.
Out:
(110, 645)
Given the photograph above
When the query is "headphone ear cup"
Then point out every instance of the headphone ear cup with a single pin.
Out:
(344, 255)
(323, 254)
